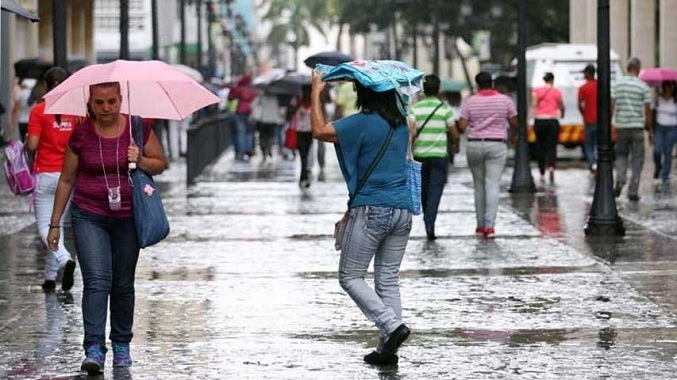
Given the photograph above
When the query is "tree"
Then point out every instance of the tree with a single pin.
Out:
(292, 21)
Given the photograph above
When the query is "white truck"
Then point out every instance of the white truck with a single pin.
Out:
(566, 62)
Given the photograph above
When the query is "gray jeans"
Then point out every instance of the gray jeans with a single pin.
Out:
(44, 203)
(381, 233)
(486, 160)
(630, 142)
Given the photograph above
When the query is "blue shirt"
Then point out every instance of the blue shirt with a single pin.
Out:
(361, 137)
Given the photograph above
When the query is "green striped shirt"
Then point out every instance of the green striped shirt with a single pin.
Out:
(631, 94)
(432, 141)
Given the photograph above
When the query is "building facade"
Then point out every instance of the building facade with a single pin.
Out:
(23, 39)
(639, 28)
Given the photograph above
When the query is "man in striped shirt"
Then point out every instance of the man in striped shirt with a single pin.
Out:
(630, 103)
(433, 121)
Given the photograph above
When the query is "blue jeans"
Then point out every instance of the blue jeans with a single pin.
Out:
(487, 162)
(108, 252)
(434, 173)
(380, 233)
(44, 203)
(665, 139)
(590, 144)
(241, 138)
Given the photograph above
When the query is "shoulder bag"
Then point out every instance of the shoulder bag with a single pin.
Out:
(149, 215)
(340, 226)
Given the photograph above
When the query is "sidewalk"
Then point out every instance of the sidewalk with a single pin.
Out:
(246, 287)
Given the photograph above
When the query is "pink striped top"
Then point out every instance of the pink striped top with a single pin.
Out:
(487, 113)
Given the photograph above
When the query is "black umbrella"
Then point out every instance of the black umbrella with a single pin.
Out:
(331, 58)
(290, 84)
(31, 68)
(12, 6)
(35, 67)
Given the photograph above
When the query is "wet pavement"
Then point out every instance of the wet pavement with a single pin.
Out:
(246, 287)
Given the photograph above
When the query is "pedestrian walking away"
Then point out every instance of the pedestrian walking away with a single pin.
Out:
(95, 170)
(300, 122)
(631, 106)
(665, 130)
(21, 107)
(547, 108)
(268, 115)
(484, 116)
(48, 136)
(587, 105)
(434, 124)
(372, 151)
(244, 95)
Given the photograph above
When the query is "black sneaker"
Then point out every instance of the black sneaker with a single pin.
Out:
(395, 340)
(377, 358)
(67, 280)
(48, 285)
(617, 189)
(633, 198)
(657, 172)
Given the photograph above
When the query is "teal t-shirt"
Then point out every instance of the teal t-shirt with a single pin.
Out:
(361, 137)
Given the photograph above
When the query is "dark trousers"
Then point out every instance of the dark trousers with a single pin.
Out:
(304, 141)
(266, 137)
(434, 172)
(547, 133)
(108, 252)
(23, 131)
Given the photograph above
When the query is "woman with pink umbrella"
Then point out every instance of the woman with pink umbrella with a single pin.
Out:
(96, 171)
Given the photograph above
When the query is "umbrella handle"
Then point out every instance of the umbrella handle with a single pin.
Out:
(132, 165)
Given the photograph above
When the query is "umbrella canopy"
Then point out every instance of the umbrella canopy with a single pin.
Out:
(150, 89)
(13, 7)
(656, 75)
(452, 85)
(35, 67)
(290, 84)
(268, 77)
(31, 68)
(189, 71)
(331, 58)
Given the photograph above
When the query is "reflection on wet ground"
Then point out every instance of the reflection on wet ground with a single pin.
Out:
(246, 287)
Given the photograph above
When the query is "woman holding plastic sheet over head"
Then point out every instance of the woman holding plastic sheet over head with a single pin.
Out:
(372, 150)
(95, 169)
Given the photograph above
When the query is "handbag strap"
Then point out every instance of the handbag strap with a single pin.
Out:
(138, 132)
(372, 166)
(418, 132)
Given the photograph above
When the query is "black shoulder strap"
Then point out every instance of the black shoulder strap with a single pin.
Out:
(418, 132)
(372, 166)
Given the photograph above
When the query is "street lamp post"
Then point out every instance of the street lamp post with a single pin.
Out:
(604, 219)
(198, 5)
(154, 23)
(522, 181)
(211, 59)
(59, 33)
(124, 29)
(182, 43)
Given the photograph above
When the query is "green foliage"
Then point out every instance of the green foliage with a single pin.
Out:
(548, 19)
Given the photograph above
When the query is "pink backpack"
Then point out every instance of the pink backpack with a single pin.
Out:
(19, 176)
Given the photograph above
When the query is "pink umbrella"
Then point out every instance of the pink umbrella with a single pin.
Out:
(150, 89)
(656, 75)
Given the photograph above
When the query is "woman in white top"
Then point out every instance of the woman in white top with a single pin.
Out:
(665, 134)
